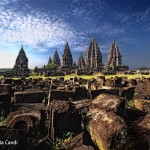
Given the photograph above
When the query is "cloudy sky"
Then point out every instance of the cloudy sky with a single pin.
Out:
(44, 25)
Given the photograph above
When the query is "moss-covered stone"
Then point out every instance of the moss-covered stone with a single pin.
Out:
(108, 131)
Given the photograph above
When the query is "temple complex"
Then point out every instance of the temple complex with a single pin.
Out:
(94, 57)
(21, 66)
(67, 60)
(114, 61)
(91, 64)
(56, 59)
(81, 63)
(74, 64)
(50, 60)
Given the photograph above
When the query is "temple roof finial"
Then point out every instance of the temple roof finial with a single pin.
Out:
(93, 39)
(114, 41)
(22, 46)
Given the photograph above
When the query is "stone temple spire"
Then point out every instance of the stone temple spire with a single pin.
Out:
(56, 59)
(50, 60)
(114, 61)
(94, 56)
(21, 66)
(74, 64)
(67, 60)
(81, 63)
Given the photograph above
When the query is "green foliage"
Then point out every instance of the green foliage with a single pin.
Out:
(61, 143)
(144, 68)
(2, 121)
(130, 103)
(51, 66)
(67, 77)
(5, 69)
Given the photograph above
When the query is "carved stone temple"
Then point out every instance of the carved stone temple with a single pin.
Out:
(94, 57)
(81, 63)
(50, 60)
(21, 65)
(67, 60)
(114, 60)
(56, 59)
(91, 64)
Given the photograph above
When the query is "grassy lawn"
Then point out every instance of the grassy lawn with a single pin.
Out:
(67, 77)
(93, 76)
(88, 76)
(128, 76)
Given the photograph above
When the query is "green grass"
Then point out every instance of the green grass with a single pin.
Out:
(130, 103)
(67, 77)
(128, 76)
(93, 76)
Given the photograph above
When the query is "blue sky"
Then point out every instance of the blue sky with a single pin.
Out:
(44, 25)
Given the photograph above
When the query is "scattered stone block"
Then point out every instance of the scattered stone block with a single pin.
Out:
(95, 93)
(113, 90)
(29, 97)
(5, 103)
(141, 131)
(132, 82)
(84, 147)
(109, 102)
(127, 92)
(142, 90)
(109, 83)
(100, 81)
(60, 95)
(143, 105)
(80, 93)
(6, 81)
(63, 119)
(5, 99)
(107, 130)
(6, 88)
(118, 82)
(132, 114)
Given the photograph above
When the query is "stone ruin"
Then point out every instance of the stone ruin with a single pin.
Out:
(21, 66)
(114, 61)
(94, 57)
(81, 63)
(91, 64)
(67, 60)
(56, 59)
(95, 116)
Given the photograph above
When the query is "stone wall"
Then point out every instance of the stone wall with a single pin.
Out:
(29, 97)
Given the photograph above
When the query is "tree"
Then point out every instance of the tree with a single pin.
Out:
(51, 66)
(144, 68)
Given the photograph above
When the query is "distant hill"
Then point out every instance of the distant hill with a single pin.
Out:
(5, 69)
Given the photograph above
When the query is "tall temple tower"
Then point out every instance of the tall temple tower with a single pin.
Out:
(56, 59)
(93, 57)
(50, 60)
(21, 66)
(81, 63)
(114, 61)
(67, 60)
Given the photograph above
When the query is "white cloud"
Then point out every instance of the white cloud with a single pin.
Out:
(37, 29)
